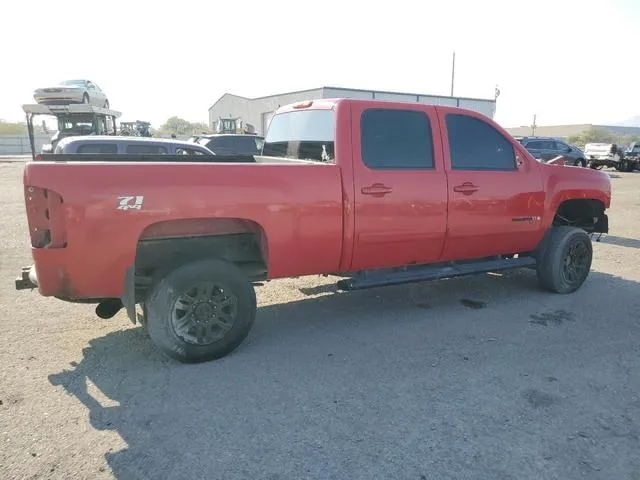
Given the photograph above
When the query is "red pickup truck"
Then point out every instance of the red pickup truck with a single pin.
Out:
(378, 193)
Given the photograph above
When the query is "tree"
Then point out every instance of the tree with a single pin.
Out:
(12, 128)
(18, 128)
(593, 135)
(182, 127)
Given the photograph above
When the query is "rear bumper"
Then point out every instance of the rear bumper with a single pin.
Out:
(28, 279)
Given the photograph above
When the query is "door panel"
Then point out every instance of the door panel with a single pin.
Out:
(496, 197)
(400, 186)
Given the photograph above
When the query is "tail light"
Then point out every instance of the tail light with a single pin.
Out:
(45, 215)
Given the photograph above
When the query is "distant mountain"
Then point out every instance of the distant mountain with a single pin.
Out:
(630, 122)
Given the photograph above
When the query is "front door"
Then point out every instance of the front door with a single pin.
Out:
(400, 186)
(496, 196)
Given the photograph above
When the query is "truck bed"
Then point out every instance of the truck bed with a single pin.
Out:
(92, 157)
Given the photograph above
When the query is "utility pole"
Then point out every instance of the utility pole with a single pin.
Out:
(533, 127)
(453, 71)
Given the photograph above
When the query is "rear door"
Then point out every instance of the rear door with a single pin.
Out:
(400, 185)
(496, 196)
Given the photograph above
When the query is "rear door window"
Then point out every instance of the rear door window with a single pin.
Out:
(189, 151)
(146, 149)
(396, 139)
(222, 145)
(107, 148)
(247, 145)
(476, 145)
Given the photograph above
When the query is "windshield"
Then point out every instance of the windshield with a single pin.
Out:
(302, 134)
(76, 124)
(72, 82)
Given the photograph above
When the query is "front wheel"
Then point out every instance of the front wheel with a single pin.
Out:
(201, 311)
(564, 259)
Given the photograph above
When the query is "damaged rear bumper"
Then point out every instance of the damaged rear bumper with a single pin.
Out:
(27, 279)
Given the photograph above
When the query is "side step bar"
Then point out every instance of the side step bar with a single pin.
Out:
(419, 273)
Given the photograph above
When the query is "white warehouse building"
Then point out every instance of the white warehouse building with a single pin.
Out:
(258, 111)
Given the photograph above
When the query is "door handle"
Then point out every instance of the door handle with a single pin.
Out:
(376, 190)
(467, 188)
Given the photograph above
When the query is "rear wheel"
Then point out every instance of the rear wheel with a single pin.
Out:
(580, 162)
(564, 259)
(201, 311)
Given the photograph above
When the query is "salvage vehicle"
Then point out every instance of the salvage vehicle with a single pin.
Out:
(377, 193)
(602, 155)
(72, 91)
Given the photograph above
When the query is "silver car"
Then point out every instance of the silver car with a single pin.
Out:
(115, 145)
(72, 91)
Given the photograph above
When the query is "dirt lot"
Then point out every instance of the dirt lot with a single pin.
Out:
(485, 377)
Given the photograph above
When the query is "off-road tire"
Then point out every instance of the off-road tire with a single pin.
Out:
(552, 257)
(164, 294)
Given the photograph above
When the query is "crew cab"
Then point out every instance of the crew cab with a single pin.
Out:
(377, 193)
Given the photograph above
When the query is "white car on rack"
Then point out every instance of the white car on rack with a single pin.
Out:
(72, 91)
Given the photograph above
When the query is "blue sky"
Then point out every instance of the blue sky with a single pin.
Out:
(566, 61)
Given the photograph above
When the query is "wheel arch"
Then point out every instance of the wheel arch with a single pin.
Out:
(165, 245)
(586, 213)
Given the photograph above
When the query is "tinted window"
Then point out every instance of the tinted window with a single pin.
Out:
(146, 150)
(476, 145)
(396, 139)
(561, 146)
(534, 145)
(220, 145)
(98, 148)
(247, 145)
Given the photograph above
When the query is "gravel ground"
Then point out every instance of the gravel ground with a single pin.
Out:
(477, 378)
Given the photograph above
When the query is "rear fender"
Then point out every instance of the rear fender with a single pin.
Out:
(163, 246)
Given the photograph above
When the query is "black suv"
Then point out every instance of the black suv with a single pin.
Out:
(547, 148)
(230, 144)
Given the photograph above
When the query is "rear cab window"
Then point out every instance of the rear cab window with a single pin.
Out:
(476, 145)
(302, 135)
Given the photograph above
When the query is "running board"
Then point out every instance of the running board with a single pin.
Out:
(420, 273)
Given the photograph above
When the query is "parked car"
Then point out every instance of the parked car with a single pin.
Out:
(547, 148)
(231, 144)
(613, 155)
(380, 193)
(72, 91)
(110, 145)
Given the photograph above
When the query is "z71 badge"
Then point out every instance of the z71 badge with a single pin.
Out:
(127, 203)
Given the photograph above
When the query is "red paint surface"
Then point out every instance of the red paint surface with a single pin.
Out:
(310, 218)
